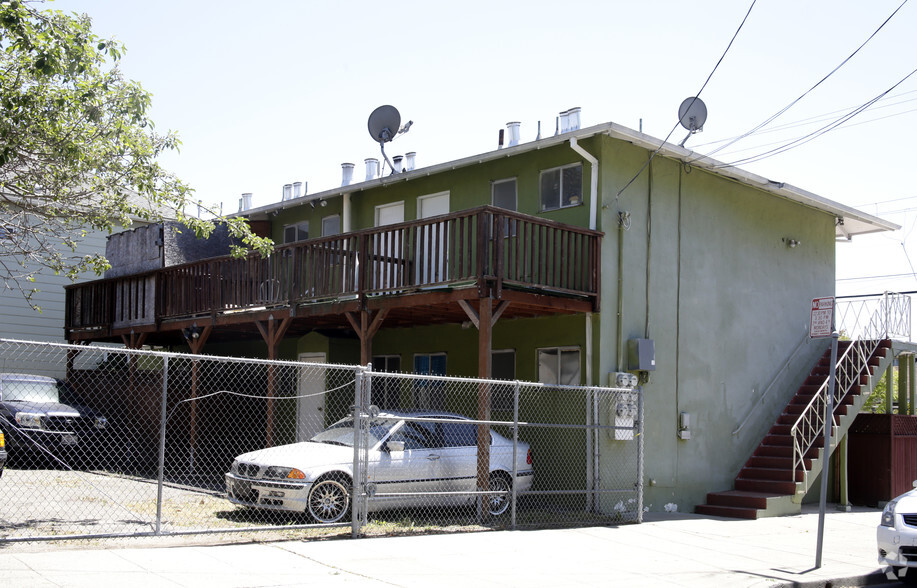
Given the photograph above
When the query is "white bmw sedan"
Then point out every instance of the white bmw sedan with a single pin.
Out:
(897, 536)
(410, 464)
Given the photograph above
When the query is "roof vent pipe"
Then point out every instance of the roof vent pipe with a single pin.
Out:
(397, 162)
(513, 132)
(573, 118)
(287, 192)
(245, 202)
(409, 158)
(346, 174)
(565, 121)
(372, 168)
(297, 189)
(500, 140)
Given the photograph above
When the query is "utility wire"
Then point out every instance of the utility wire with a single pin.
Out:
(771, 118)
(819, 132)
(696, 96)
(817, 118)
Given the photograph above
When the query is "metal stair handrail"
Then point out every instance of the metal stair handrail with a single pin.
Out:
(849, 368)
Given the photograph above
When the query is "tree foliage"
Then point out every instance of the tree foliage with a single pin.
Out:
(78, 152)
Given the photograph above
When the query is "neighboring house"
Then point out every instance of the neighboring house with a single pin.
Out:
(697, 276)
(18, 320)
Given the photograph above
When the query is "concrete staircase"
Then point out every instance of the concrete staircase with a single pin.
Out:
(769, 484)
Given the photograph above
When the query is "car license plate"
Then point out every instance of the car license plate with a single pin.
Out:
(68, 440)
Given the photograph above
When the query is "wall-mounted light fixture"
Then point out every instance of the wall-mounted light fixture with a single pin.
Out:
(192, 333)
(791, 243)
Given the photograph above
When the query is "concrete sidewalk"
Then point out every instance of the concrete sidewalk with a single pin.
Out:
(668, 549)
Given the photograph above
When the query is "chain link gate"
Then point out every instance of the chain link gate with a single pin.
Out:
(106, 442)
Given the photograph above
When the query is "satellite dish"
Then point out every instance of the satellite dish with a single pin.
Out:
(384, 123)
(692, 114)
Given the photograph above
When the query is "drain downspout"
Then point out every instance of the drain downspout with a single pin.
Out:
(593, 181)
(593, 211)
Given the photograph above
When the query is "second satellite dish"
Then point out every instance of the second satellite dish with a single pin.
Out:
(692, 114)
(384, 123)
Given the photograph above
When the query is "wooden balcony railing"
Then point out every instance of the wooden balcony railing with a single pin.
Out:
(483, 245)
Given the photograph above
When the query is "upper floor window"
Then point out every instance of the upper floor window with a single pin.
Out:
(331, 225)
(561, 186)
(504, 193)
(297, 232)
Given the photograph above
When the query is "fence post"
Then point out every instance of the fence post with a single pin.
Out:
(162, 444)
(640, 454)
(887, 312)
(515, 454)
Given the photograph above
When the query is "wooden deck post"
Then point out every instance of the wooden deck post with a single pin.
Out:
(366, 329)
(272, 335)
(196, 343)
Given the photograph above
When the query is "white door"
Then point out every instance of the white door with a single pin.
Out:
(386, 255)
(310, 390)
(431, 247)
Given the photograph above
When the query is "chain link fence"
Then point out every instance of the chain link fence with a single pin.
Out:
(106, 442)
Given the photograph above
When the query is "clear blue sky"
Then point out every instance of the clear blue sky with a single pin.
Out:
(271, 93)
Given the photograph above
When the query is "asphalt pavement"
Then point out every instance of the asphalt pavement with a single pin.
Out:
(668, 549)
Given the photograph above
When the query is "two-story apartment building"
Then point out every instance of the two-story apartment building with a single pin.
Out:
(531, 262)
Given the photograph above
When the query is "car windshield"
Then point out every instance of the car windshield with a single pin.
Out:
(30, 391)
(341, 432)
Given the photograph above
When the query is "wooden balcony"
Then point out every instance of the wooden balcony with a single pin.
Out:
(419, 272)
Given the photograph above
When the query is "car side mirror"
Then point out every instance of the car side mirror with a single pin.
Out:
(394, 446)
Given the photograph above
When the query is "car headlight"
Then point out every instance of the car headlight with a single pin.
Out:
(284, 473)
(28, 420)
(888, 514)
(101, 422)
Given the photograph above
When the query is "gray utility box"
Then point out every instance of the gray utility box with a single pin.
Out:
(641, 355)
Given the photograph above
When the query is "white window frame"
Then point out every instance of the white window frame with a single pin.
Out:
(297, 227)
(572, 200)
(493, 185)
(560, 351)
(328, 218)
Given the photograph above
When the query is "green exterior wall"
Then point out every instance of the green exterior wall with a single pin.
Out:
(705, 273)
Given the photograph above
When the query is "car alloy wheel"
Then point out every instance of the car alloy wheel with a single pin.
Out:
(329, 501)
(498, 503)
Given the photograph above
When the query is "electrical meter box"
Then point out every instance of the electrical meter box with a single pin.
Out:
(641, 355)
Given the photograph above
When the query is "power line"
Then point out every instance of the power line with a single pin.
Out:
(817, 133)
(844, 125)
(885, 277)
(804, 94)
(820, 117)
(696, 96)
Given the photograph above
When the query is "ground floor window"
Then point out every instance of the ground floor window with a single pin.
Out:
(559, 365)
(386, 392)
(428, 394)
(503, 367)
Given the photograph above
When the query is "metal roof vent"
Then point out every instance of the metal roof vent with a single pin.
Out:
(409, 158)
(287, 192)
(372, 168)
(513, 132)
(245, 202)
(346, 174)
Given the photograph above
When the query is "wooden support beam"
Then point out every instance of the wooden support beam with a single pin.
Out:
(366, 328)
(197, 344)
(273, 334)
(134, 340)
(485, 339)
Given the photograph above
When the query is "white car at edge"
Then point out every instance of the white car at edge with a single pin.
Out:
(897, 536)
(410, 464)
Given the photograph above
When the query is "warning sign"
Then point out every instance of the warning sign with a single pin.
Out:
(822, 322)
